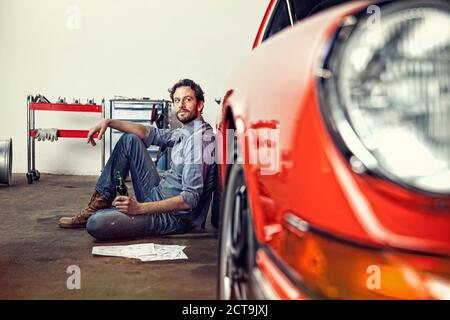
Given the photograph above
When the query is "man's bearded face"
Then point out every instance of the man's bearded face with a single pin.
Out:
(187, 107)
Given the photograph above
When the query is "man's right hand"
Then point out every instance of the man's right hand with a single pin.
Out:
(100, 127)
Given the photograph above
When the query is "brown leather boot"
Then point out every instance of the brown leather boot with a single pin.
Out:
(79, 220)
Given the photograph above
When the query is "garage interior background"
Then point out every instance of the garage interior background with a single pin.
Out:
(101, 49)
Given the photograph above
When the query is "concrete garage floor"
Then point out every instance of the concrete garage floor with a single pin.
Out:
(35, 252)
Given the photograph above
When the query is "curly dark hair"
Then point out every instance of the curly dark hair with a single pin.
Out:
(199, 94)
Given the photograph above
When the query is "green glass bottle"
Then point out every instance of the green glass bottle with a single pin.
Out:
(121, 188)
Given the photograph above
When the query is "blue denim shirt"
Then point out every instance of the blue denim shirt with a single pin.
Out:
(192, 168)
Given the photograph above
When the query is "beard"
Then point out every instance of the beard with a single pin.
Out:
(184, 116)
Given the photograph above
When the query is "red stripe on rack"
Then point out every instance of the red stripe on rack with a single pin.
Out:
(66, 107)
(63, 133)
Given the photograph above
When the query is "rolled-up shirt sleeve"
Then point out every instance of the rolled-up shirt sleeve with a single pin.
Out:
(192, 185)
(193, 176)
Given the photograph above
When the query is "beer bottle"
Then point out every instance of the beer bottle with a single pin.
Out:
(121, 188)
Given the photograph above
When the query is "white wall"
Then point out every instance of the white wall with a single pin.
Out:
(133, 48)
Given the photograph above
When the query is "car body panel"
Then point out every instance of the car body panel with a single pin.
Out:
(252, 102)
(276, 88)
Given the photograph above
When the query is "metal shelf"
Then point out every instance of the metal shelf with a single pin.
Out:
(33, 106)
(144, 111)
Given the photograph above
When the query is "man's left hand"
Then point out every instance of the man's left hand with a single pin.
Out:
(127, 205)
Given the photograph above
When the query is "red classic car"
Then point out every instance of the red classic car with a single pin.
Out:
(336, 154)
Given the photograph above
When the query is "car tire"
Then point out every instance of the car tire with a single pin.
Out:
(236, 248)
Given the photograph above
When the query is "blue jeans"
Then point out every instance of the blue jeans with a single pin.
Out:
(131, 155)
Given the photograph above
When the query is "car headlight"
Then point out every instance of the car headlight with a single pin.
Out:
(385, 93)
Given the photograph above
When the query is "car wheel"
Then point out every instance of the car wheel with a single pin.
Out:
(236, 241)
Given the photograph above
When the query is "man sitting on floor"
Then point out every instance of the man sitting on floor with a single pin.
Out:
(175, 203)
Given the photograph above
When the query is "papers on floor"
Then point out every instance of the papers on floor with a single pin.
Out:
(134, 250)
(143, 252)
